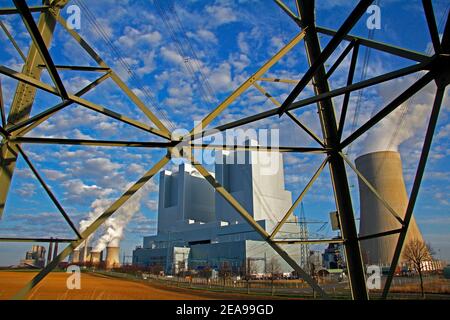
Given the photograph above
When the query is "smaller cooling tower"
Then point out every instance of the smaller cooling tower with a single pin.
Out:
(76, 256)
(384, 171)
(112, 257)
(95, 257)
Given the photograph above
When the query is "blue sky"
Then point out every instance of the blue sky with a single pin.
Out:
(224, 43)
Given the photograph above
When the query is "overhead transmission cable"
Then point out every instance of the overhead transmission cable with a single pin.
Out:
(118, 55)
(185, 49)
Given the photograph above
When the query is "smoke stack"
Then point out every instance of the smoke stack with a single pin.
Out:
(50, 251)
(95, 258)
(55, 252)
(383, 170)
(76, 256)
(112, 257)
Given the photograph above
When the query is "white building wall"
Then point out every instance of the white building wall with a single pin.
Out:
(184, 196)
(258, 185)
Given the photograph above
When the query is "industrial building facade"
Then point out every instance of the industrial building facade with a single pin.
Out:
(198, 229)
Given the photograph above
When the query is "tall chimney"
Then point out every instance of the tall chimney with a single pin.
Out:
(55, 252)
(383, 170)
(76, 256)
(112, 257)
(50, 251)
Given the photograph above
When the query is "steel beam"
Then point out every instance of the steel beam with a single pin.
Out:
(346, 100)
(327, 117)
(14, 43)
(48, 191)
(380, 46)
(2, 107)
(24, 96)
(249, 82)
(298, 200)
(131, 95)
(4, 133)
(432, 27)
(322, 56)
(34, 121)
(260, 230)
(35, 240)
(313, 135)
(380, 234)
(253, 148)
(301, 125)
(83, 102)
(92, 228)
(319, 97)
(286, 9)
(4, 11)
(97, 143)
(290, 81)
(79, 68)
(372, 189)
(416, 184)
(309, 241)
(41, 46)
(341, 58)
(408, 93)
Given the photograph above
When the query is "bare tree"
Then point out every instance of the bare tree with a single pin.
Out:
(416, 252)
(225, 271)
(250, 270)
(273, 267)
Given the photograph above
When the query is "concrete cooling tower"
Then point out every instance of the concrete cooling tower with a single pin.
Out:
(95, 258)
(384, 171)
(112, 257)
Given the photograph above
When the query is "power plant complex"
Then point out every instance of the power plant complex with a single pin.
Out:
(197, 228)
(235, 215)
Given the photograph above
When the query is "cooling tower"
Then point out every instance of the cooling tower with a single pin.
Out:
(112, 257)
(95, 257)
(76, 256)
(384, 171)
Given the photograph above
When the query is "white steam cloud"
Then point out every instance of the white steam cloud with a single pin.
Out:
(406, 123)
(115, 225)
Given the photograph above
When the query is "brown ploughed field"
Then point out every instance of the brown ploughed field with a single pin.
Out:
(98, 287)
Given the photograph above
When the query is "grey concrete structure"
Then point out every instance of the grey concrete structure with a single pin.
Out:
(95, 257)
(384, 171)
(112, 257)
(197, 228)
(34, 258)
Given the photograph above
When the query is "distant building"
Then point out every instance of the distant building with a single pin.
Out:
(315, 261)
(197, 228)
(334, 257)
(34, 258)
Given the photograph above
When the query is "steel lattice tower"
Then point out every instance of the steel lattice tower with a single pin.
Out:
(432, 68)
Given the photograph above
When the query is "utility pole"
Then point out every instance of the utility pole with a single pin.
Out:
(304, 248)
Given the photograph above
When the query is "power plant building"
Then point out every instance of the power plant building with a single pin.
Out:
(34, 258)
(197, 228)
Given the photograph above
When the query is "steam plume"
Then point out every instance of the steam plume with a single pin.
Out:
(115, 225)
(404, 123)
